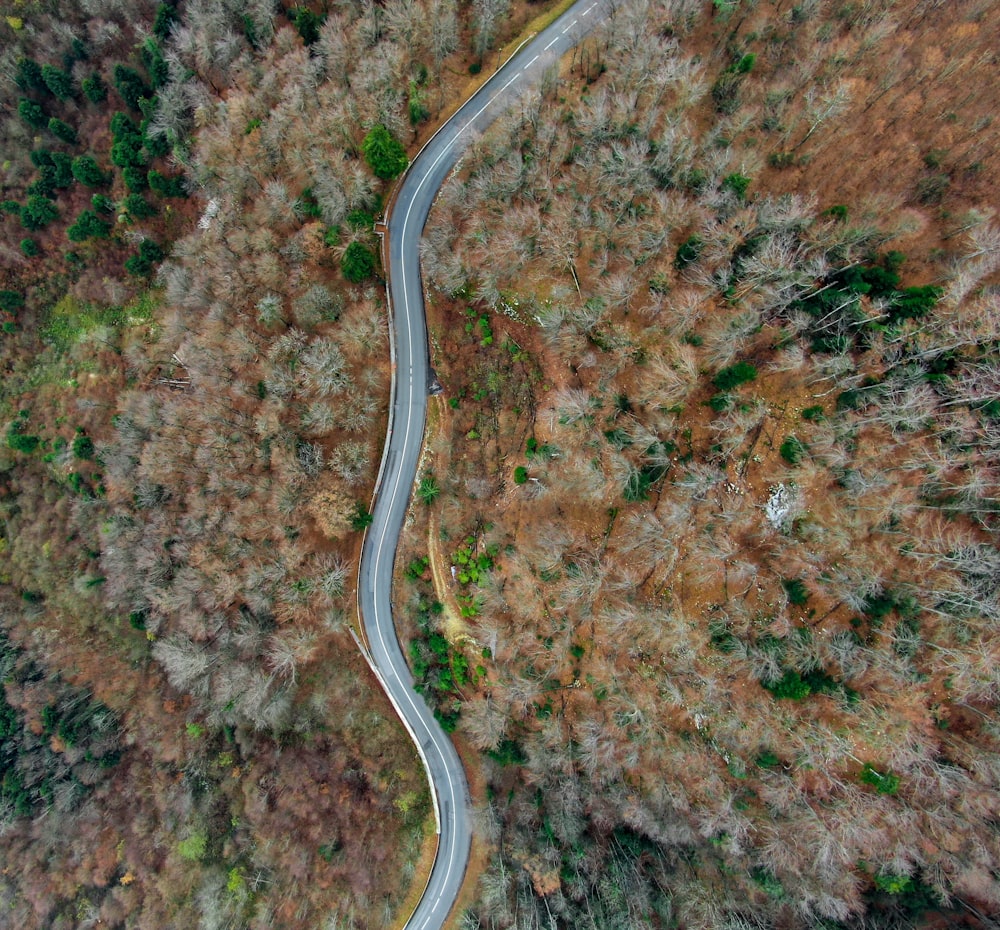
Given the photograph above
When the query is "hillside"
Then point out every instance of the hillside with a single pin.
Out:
(193, 404)
(716, 317)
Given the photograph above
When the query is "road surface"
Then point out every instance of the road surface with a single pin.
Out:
(411, 381)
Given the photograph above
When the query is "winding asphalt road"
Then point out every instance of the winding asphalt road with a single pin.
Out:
(411, 383)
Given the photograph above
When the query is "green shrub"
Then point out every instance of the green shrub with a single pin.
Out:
(11, 301)
(358, 263)
(768, 759)
(164, 186)
(914, 302)
(883, 784)
(28, 75)
(94, 88)
(508, 752)
(62, 169)
(20, 441)
(361, 519)
(135, 179)
(520, 474)
(63, 131)
(795, 588)
(792, 450)
(193, 848)
(154, 62)
(891, 883)
(721, 402)
(166, 17)
(737, 184)
(29, 247)
(137, 206)
(88, 225)
(768, 883)
(59, 83)
(428, 489)
(130, 85)
(688, 252)
(83, 445)
(789, 687)
(88, 172)
(38, 212)
(385, 155)
(307, 23)
(32, 113)
(734, 375)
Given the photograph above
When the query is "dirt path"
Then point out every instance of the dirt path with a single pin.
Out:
(454, 625)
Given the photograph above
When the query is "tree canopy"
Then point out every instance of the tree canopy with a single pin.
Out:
(385, 154)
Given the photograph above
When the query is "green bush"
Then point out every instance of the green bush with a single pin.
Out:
(28, 75)
(385, 155)
(193, 848)
(914, 302)
(83, 445)
(164, 186)
(154, 62)
(32, 113)
(59, 83)
(142, 264)
(307, 23)
(94, 88)
(62, 169)
(135, 179)
(768, 759)
(130, 85)
(361, 518)
(883, 784)
(789, 687)
(138, 207)
(721, 402)
(688, 252)
(88, 172)
(734, 375)
(358, 263)
(20, 441)
(38, 212)
(88, 225)
(520, 475)
(792, 450)
(63, 131)
(11, 301)
(428, 490)
(29, 247)
(796, 590)
(737, 184)
(166, 17)
(508, 752)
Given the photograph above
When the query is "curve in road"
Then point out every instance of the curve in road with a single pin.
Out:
(411, 381)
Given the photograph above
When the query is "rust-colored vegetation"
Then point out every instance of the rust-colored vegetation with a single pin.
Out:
(717, 322)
